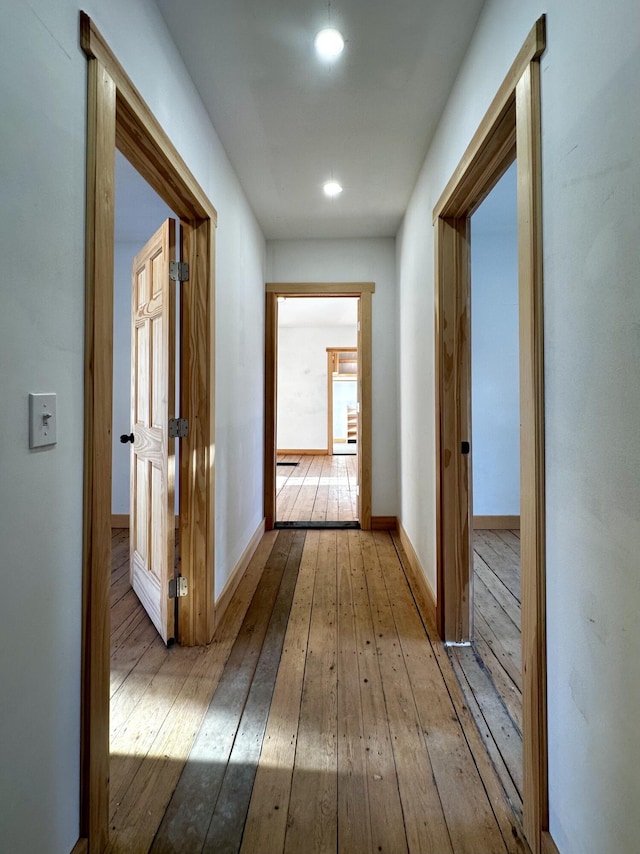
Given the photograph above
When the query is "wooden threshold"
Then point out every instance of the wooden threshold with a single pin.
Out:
(496, 523)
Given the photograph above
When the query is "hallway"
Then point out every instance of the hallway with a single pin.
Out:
(336, 724)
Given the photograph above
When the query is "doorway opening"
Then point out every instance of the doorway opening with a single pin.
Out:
(307, 484)
(145, 463)
(317, 403)
(118, 118)
(490, 669)
(511, 122)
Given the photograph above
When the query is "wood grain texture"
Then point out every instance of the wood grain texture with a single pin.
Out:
(227, 822)
(368, 745)
(385, 806)
(196, 612)
(312, 289)
(384, 523)
(453, 343)
(81, 847)
(266, 823)
(548, 845)
(152, 487)
(313, 803)
(425, 824)
(176, 685)
(532, 466)
(98, 380)
(317, 488)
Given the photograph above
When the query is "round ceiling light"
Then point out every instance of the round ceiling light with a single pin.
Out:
(329, 43)
(332, 189)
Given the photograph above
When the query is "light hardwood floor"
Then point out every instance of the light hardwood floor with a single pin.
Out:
(322, 718)
(490, 672)
(316, 488)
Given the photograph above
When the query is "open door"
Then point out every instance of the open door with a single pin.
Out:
(152, 528)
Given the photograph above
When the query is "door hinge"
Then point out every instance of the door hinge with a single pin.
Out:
(178, 587)
(178, 428)
(179, 271)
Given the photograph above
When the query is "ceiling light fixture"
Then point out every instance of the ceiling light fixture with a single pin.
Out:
(329, 43)
(332, 189)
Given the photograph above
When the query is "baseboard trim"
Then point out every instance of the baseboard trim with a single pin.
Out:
(420, 587)
(309, 452)
(238, 571)
(81, 847)
(497, 523)
(121, 520)
(548, 845)
(384, 523)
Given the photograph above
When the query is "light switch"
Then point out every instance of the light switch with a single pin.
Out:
(43, 421)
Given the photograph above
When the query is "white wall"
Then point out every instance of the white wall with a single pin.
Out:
(591, 175)
(358, 261)
(303, 395)
(42, 168)
(495, 422)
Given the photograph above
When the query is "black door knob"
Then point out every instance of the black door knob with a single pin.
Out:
(124, 438)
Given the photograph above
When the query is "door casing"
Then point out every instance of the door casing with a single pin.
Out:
(512, 122)
(118, 117)
(363, 291)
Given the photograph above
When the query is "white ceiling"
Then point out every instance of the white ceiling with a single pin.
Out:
(289, 122)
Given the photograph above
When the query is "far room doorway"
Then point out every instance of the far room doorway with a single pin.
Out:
(307, 484)
(317, 411)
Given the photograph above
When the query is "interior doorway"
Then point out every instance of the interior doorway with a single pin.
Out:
(314, 485)
(490, 669)
(512, 120)
(301, 468)
(117, 117)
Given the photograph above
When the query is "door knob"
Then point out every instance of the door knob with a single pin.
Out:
(124, 438)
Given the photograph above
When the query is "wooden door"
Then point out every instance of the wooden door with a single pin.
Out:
(152, 499)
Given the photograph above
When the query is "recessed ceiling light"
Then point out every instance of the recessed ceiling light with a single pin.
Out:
(329, 43)
(332, 189)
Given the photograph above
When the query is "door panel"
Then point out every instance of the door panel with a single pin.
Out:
(152, 404)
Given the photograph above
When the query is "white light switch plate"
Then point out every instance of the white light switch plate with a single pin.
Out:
(43, 421)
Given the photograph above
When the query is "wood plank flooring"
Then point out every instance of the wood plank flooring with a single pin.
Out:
(316, 488)
(490, 671)
(321, 719)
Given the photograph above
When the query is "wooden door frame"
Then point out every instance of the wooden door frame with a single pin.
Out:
(118, 117)
(363, 291)
(330, 352)
(513, 119)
